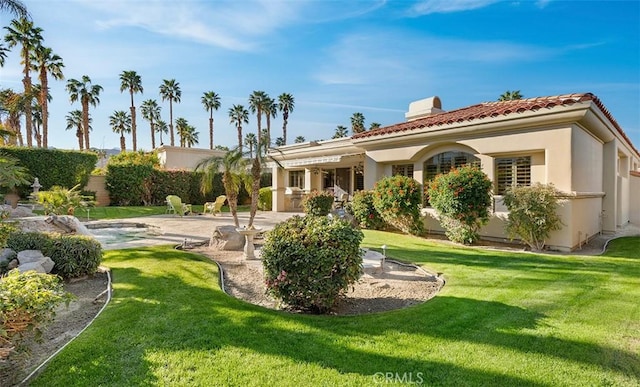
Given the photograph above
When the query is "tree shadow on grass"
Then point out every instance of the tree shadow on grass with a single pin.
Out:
(166, 313)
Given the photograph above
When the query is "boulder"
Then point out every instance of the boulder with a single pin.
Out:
(47, 264)
(226, 238)
(31, 266)
(7, 255)
(27, 256)
(13, 264)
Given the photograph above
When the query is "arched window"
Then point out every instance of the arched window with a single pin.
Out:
(443, 163)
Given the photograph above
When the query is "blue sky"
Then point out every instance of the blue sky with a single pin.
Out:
(335, 57)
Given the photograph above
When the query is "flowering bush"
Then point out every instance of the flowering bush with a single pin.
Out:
(318, 203)
(365, 213)
(462, 199)
(397, 199)
(309, 262)
(532, 213)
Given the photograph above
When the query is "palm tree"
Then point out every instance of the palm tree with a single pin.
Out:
(341, 131)
(87, 94)
(257, 102)
(510, 95)
(74, 121)
(233, 169)
(190, 136)
(374, 125)
(357, 123)
(279, 141)
(36, 112)
(250, 141)
(238, 115)
(130, 80)
(170, 91)
(12, 105)
(3, 54)
(161, 127)
(286, 103)
(270, 110)
(16, 7)
(22, 31)
(120, 122)
(151, 112)
(181, 129)
(46, 62)
(299, 140)
(211, 101)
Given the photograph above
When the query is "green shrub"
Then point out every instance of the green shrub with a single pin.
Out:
(365, 213)
(265, 197)
(53, 166)
(6, 228)
(73, 255)
(128, 184)
(532, 213)
(62, 201)
(318, 203)
(309, 262)
(397, 199)
(27, 302)
(462, 199)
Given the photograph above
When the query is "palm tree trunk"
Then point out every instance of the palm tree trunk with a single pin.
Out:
(239, 137)
(133, 126)
(171, 121)
(153, 134)
(211, 131)
(123, 145)
(256, 170)
(79, 134)
(285, 119)
(85, 122)
(45, 109)
(27, 106)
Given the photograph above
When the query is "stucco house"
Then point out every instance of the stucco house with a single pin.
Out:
(569, 140)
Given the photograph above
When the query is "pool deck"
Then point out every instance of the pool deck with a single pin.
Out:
(192, 228)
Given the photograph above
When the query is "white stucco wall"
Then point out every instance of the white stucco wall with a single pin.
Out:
(634, 207)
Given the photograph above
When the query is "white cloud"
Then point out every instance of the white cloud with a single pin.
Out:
(427, 7)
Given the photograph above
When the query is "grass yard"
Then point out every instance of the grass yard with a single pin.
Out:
(503, 318)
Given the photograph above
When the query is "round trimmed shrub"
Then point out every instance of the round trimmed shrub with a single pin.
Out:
(365, 213)
(462, 199)
(318, 203)
(398, 200)
(309, 262)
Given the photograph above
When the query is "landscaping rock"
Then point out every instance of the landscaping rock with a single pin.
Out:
(47, 264)
(27, 256)
(13, 264)
(31, 266)
(7, 255)
(226, 238)
(18, 212)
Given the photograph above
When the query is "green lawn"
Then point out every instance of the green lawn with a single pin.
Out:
(510, 319)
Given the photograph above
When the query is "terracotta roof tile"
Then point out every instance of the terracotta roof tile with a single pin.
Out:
(494, 109)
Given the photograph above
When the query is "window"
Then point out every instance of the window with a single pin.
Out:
(296, 179)
(512, 172)
(444, 162)
(403, 169)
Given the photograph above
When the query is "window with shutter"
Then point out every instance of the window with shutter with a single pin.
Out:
(512, 172)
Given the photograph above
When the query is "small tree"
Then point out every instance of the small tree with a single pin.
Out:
(364, 211)
(397, 199)
(462, 199)
(318, 203)
(532, 213)
(309, 262)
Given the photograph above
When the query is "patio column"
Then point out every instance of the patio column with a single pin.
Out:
(370, 172)
(277, 189)
(609, 186)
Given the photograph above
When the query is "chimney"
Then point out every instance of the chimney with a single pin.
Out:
(423, 108)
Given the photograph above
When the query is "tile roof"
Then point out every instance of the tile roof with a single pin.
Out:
(494, 109)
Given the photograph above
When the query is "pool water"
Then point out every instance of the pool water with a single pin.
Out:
(108, 234)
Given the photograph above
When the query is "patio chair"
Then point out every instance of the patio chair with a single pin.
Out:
(177, 206)
(217, 205)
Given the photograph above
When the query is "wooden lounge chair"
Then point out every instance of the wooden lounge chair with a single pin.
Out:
(177, 207)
